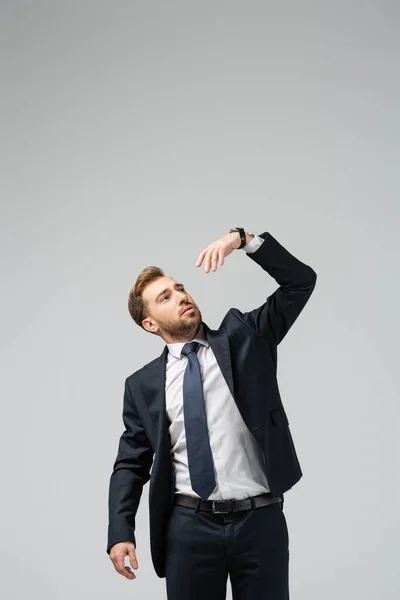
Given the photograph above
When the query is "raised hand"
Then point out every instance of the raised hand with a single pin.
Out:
(217, 251)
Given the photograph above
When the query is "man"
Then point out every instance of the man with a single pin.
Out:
(210, 411)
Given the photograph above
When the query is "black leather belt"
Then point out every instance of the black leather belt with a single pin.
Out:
(226, 506)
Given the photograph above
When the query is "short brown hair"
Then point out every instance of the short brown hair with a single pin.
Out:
(136, 306)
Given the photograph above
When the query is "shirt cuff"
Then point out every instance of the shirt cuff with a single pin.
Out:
(253, 245)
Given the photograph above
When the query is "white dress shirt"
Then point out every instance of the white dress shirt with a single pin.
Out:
(238, 459)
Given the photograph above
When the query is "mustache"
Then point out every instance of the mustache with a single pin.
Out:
(187, 308)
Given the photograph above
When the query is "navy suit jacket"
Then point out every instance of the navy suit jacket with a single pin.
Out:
(245, 346)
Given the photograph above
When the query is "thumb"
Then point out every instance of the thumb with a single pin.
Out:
(132, 558)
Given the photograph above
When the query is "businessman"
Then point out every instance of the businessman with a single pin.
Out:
(207, 419)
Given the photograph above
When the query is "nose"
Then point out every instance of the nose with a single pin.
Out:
(184, 299)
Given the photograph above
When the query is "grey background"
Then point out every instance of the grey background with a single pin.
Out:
(136, 133)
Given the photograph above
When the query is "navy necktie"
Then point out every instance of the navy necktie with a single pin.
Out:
(201, 466)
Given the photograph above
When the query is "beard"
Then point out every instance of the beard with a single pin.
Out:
(184, 328)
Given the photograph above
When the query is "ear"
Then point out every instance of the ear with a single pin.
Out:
(150, 325)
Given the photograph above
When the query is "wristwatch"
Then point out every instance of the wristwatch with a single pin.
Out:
(240, 230)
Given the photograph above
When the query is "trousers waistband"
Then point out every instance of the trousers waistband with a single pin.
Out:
(226, 506)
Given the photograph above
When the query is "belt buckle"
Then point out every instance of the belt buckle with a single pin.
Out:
(220, 512)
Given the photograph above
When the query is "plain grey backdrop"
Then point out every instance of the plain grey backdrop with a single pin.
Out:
(135, 134)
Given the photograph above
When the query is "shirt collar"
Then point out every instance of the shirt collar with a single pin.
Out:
(176, 349)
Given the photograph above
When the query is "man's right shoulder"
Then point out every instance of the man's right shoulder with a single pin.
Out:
(142, 372)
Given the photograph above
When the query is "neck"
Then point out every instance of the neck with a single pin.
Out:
(168, 339)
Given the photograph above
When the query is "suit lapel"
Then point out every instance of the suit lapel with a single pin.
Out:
(219, 342)
(152, 384)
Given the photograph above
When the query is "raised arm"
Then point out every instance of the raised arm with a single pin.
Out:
(296, 283)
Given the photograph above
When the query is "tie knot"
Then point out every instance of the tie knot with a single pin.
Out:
(190, 347)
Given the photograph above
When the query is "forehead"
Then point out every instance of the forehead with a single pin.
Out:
(152, 290)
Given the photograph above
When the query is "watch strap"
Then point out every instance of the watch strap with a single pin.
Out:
(240, 230)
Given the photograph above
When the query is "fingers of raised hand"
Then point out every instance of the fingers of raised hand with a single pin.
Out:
(211, 256)
(201, 257)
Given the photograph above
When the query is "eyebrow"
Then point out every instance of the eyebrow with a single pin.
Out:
(176, 285)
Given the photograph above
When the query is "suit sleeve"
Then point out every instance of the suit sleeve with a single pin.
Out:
(296, 282)
(131, 471)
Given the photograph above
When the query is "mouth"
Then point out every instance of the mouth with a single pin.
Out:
(188, 310)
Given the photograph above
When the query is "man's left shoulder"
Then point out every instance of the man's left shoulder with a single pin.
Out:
(234, 322)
